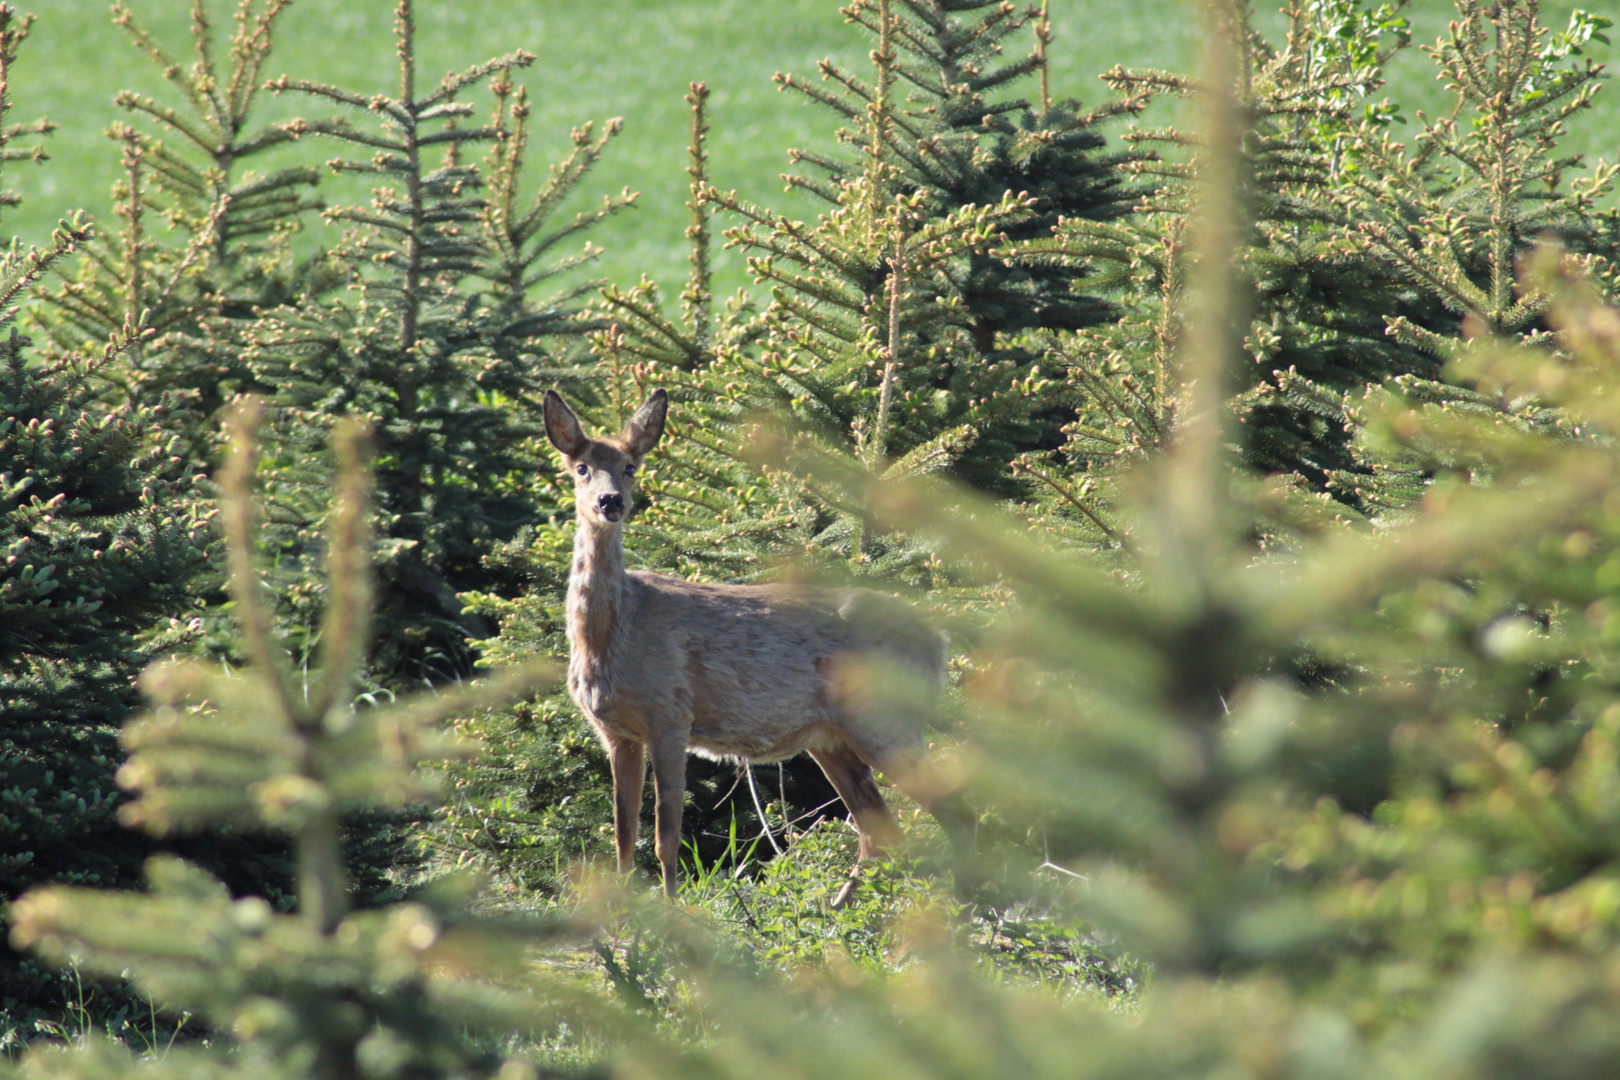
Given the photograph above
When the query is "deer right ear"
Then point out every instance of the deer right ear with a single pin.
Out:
(562, 426)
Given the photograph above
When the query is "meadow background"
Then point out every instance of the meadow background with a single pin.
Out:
(625, 58)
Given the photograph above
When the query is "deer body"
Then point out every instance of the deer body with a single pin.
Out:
(746, 667)
(662, 666)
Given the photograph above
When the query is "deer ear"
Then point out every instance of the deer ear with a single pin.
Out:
(562, 426)
(641, 434)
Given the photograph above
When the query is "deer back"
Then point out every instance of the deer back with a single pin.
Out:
(764, 671)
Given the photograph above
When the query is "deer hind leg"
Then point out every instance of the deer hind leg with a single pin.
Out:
(629, 761)
(852, 779)
(912, 774)
(669, 787)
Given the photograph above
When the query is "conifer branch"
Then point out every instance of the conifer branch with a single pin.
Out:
(250, 47)
(698, 298)
(375, 104)
(20, 269)
(349, 606)
(13, 32)
(891, 360)
(205, 76)
(1043, 45)
(207, 141)
(172, 71)
(1073, 500)
(239, 512)
(456, 82)
(1214, 338)
(881, 110)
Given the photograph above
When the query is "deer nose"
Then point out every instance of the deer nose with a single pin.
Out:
(610, 505)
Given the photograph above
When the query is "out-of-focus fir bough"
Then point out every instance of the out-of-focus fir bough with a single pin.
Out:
(321, 991)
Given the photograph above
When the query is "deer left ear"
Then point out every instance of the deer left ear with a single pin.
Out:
(645, 428)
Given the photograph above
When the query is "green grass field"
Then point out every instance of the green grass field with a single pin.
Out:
(629, 58)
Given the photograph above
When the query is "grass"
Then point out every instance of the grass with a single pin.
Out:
(133, 1020)
(629, 58)
(776, 922)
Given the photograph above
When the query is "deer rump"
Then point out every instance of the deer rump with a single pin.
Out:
(763, 672)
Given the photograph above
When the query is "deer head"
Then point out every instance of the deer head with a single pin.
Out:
(604, 469)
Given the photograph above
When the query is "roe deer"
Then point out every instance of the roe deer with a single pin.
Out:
(661, 666)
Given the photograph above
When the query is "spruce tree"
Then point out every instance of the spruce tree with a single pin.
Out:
(1452, 216)
(861, 341)
(961, 141)
(1340, 306)
(952, 139)
(933, 128)
(104, 539)
(105, 542)
(203, 235)
(438, 344)
(1316, 306)
(1458, 209)
(320, 991)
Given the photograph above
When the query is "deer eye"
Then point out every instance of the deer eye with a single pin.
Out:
(582, 469)
(629, 470)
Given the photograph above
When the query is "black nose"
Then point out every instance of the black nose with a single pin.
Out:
(611, 503)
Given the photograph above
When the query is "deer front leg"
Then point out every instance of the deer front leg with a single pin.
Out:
(629, 761)
(669, 789)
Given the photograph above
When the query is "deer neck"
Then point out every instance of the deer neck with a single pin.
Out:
(596, 585)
